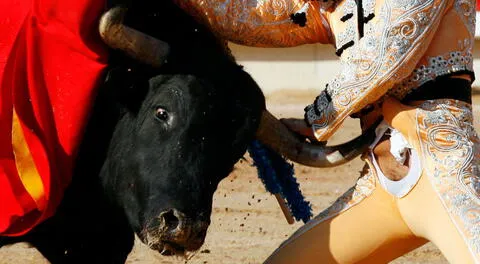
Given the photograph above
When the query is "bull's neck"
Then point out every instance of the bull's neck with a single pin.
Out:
(93, 151)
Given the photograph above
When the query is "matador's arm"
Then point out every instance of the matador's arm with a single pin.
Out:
(261, 23)
(392, 45)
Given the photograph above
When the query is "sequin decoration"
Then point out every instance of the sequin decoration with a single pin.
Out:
(451, 153)
(386, 55)
(452, 62)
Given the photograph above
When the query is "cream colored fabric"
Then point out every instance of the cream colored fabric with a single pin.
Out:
(442, 130)
(369, 225)
(378, 229)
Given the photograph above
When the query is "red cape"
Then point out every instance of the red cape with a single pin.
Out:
(51, 61)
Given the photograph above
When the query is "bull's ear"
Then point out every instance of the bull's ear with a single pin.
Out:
(127, 86)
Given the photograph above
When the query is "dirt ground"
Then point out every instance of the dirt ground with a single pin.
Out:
(247, 224)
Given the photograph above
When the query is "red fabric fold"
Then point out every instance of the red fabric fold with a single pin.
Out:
(51, 62)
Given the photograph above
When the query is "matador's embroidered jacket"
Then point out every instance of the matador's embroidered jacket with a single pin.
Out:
(385, 46)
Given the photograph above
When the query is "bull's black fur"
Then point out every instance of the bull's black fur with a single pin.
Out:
(131, 165)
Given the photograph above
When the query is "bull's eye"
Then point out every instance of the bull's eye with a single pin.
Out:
(161, 114)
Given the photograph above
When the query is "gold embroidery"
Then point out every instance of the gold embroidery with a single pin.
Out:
(393, 44)
(262, 23)
(451, 152)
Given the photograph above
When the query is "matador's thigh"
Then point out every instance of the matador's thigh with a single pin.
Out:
(372, 224)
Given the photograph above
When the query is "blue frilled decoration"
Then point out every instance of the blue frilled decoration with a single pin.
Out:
(278, 176)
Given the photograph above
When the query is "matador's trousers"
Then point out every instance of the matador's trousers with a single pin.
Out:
(367, 224)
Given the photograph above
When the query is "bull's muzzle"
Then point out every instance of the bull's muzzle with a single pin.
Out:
(174, 234)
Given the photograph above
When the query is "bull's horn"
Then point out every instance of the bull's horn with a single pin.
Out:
(278, 137)
(136, 44)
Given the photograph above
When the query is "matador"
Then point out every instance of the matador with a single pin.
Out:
(409, 63)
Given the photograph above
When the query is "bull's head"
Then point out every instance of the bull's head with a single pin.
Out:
(183, 138)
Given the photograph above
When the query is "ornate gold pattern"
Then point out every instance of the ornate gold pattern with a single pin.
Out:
(393, 45)
(442, 64)
(451, 153)
(262, 23)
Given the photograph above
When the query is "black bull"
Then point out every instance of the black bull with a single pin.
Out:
(159, 141)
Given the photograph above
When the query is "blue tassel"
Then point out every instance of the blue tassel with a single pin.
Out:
(278, 177)
(264, 166)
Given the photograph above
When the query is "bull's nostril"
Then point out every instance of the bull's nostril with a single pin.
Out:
(174, 232)
(170, 219)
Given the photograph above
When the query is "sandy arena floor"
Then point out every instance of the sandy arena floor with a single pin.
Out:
(247, 224)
